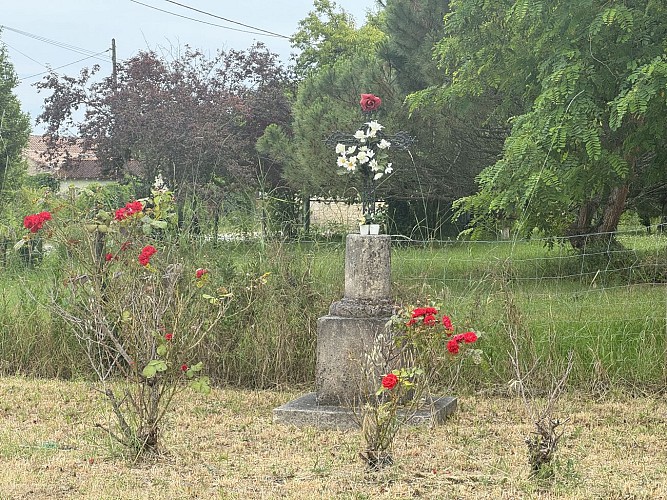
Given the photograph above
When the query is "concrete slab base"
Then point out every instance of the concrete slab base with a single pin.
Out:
(305, 412)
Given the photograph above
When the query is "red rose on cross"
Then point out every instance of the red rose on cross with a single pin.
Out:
(370, 102)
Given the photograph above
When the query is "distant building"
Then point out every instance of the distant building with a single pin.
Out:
(75, 167)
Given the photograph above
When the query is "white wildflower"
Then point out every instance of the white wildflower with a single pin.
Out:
(351, 164)
(340, 148)
(384, 144)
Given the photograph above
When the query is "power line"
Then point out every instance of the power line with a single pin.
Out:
(23, 54)
(62, 45)
(63, 66)
(205, 22)
(225, 19)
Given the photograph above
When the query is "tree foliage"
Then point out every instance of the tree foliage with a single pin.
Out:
(328, 34)
(14, 127)
(192, 118)
(579, 80)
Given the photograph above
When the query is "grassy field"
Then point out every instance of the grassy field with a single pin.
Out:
(226, 446)
(608, 307)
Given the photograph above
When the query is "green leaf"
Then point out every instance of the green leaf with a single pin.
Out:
(147, 229)
(197, 367)
(154, 366)
(201, 385)
(149, 371)
(160, 365)
(160, 224)
(161, 350)
(211, 299)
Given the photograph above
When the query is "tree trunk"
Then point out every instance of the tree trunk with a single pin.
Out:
(579, 230)
(614, 209)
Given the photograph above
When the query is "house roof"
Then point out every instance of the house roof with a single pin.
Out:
(72, 164)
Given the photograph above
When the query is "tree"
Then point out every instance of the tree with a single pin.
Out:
(328, 34)
(14, 128)
(565, 73)
(194, 119)
(452, 144)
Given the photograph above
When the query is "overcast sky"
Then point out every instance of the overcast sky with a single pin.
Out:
(71, 25)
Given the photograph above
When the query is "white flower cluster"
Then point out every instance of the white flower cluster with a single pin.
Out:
(371, 152)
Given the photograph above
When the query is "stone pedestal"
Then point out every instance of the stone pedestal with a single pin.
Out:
(345, 338)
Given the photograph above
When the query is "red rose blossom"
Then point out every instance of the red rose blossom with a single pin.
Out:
(453, 346)
(200, 272)
(447, 323)
(369, 102)
(423, 311)
(146, 253)
(469, 337)
(389, 381)
(184, 367)
(130, 208)
(35, 222)
(430, 320)
(108, 257)
(168, 336)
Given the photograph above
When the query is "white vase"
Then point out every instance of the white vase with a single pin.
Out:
(364, 229)
(374, 229)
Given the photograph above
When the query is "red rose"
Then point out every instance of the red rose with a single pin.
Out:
(423, 311)
(108, 257)
(447, 323)
(35, 222)
(469, 337)
(121, 214)
(200, 272)
(370, 102)
(130, 208)
(411, 322)
(168, 336)
(184, 367)
(429, 320)
(453, 346)
(146, 253)
(389, 381)
(133, 207)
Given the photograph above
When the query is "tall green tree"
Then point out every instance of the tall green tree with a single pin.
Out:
(576, 78)
(452, 144)
(328, 34)
(14, 128)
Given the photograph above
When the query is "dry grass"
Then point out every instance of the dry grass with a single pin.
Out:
(226, 446)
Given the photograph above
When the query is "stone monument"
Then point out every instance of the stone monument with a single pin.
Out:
(346, 335)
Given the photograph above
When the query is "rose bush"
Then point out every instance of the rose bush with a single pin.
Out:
(420, 342)
(121, 303)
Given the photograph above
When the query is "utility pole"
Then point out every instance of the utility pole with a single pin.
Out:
(114, 74)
